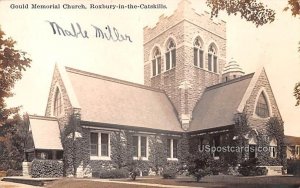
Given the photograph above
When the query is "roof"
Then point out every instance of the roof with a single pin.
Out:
(45, 133)
(219, 103)
(111, 101)
(291, 140)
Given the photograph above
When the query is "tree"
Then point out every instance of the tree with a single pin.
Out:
(12, 64)
(12, 153)
(255, 12)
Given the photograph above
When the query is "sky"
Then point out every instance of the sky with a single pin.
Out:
(273, 46)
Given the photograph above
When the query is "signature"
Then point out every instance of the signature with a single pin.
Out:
(107, 33)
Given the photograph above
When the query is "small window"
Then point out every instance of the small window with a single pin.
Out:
(57, 110)
(212, 59)
(172, 148)
(252, 151)
(171, 55)
(99, 144)
(198, 53)
(262, 109)
(140, 147)
(156, 62)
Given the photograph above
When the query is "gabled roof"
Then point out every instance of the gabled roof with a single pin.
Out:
(111, 101)
(219, 103)
(45, 133)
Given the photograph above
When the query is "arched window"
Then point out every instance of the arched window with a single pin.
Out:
(57, 110)
(198, 53)
(262, 109)
(252, 146)
(156, 62)
(170, 55)
(212, 58)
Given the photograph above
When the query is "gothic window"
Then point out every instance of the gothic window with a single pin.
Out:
(262, 109)
(172, 148)
(57, 110)
(212, 59)
(99, 144)
(171, 55)
(139, 147)
(156, 62)
(198, 53)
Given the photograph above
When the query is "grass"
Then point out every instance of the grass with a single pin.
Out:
(209, 181)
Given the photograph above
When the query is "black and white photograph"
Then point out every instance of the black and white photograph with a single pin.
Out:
(158, 93)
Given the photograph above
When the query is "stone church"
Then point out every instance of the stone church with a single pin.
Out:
(190, 92)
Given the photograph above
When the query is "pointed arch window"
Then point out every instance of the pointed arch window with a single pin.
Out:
(156, 62)
(262, 109)
(212, 59)
(171, 55)
(57, 110)
(198, 52)
(273, 148)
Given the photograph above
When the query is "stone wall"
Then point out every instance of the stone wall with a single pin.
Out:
(183, 27)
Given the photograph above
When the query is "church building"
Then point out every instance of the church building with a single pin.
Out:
(190, 95)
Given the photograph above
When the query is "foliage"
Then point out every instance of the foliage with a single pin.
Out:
(183, 151)
(297, 90)
(294, 6)
(293, 167)
(46, 168)
(14, 133)
(116, 173)
(251, 167)
(11, 172)
(12, 64)
(241, 129)
(158, 155)
(275, 129)
(169, 172)
(251, 10)
(121, 153)
(198, 165)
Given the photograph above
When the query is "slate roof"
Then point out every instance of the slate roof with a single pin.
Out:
(219, 103)
(45, 133)
(111, 101)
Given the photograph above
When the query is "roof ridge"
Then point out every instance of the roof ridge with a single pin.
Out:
(230, 81)
(42, 117)
(107, 78)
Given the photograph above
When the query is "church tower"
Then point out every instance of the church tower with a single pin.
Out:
(183, 54)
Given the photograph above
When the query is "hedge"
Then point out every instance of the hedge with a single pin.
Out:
(46, 168)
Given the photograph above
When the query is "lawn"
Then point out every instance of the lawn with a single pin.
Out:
(209, 181)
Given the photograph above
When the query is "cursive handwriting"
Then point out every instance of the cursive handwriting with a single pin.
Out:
(109, 33)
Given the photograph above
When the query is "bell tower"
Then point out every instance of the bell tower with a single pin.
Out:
(183, 54)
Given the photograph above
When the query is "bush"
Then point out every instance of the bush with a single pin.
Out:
(169, 173)
(116, 173)
(199, 165)
(293, 167)
(250, 168)
(11, 172)
(46, 168)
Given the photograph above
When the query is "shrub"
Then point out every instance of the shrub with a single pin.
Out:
(250, 168)
(169, 173)
(198, 165)
(46, 168)
(293, 167)
(11, 172)
(116, 173)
